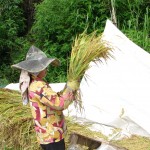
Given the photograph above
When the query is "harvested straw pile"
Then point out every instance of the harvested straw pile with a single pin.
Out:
(15, 123)
(17, 131)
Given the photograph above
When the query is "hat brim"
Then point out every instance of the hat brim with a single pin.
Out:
(34, 66)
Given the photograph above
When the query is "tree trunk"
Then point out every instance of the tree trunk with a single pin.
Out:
(113, 13)
(29, 9)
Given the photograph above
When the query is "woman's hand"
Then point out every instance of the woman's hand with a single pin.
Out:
(73, 85)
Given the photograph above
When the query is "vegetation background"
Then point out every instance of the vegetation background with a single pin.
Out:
(52, 25)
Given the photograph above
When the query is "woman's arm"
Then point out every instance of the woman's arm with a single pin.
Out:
(48, 97)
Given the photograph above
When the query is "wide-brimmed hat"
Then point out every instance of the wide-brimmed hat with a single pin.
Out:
(36, 61)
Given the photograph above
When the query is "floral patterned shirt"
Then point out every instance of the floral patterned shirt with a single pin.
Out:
(47, 106)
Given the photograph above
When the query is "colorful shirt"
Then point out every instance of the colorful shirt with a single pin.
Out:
(47, 106)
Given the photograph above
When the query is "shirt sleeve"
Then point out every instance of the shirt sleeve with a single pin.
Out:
(50, 98)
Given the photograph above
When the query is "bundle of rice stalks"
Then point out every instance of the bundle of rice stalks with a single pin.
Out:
(86, 48)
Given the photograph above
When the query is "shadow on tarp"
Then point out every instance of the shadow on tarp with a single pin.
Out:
(77, 141)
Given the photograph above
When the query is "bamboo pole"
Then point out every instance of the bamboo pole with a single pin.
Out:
(113, 13)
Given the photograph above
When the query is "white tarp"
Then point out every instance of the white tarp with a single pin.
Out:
(116, 93)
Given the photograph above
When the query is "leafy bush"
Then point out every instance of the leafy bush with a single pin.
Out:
(139, 38)
(63, 20)
(56, 24)
(135, 21)
(130, 13)
(11, 27)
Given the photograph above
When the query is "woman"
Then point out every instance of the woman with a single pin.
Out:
(46, 105)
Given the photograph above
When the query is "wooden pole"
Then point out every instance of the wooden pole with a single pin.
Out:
(113, 13)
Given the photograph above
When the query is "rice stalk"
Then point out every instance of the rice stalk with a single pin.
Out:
(16, 123)
(86, 48)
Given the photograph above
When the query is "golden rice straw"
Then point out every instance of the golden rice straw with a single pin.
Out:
(86, 48)
(17, 131)
(16, 123)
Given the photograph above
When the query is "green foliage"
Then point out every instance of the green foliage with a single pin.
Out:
(11, 19)
(56, 24)
(8, 74)
(130, 13)
(135, 21)
(55, 32)
(11, 24)
(88, 14)
(139, 38)
(11, 27)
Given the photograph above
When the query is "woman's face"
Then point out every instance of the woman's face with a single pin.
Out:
(42, 74)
